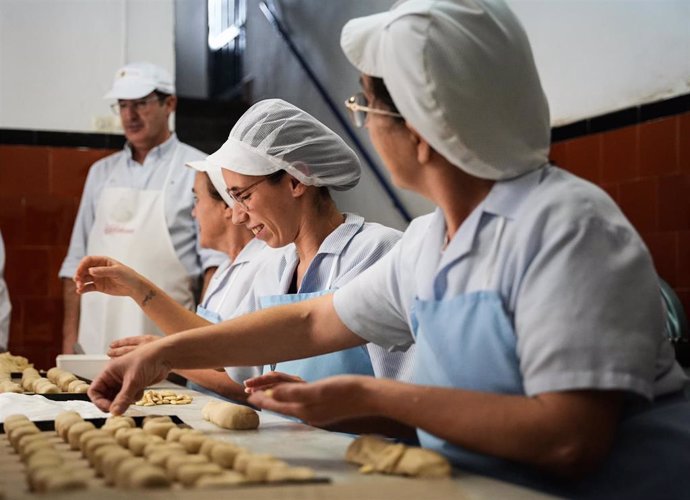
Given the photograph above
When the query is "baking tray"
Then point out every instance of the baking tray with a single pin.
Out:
(49, 425)
(58, 396)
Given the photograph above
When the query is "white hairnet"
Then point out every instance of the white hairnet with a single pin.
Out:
(274, 135)
(462, 74)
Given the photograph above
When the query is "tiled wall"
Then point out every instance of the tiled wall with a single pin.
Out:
(40, 188)
(646, 170)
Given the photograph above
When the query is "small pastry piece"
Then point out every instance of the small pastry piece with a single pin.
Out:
(174, 462)
(125, 469)
(224, 454)
(192, 442)
(159, 457)
(99, 454)
(188, 474)
(148, 476)
(16, 433)
(158, 428)
(243, 458)
(257, 468)
(138, 442)
(230, 416)
(122, 436)
(75, 431)
(89, 435)
(9, 386)
(64, 420)
(92, 445)
(15, 421)
(33, 447)
(279, 474)
(223, 480)
(156, 418)
(156, 445)
(111, 462)
(44, 458)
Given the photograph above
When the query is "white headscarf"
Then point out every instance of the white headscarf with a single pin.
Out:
(462, 74)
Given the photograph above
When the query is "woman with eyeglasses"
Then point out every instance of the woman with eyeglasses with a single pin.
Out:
(532, 301)
(227, 295)
(279, 163)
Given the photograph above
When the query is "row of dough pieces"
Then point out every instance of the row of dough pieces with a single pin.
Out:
(150, 457)
(57, 380)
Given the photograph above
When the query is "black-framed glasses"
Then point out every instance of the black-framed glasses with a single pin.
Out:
(358, 107)
(243, 195)
(137, 105)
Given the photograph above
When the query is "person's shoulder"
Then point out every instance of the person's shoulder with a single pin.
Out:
(101, 169)
(190, 153)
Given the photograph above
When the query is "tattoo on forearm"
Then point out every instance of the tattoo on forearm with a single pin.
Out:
(148, 297)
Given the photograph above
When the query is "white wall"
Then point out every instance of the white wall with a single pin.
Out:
(58, 57)
(594, 57)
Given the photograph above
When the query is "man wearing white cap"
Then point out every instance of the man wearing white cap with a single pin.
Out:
(5, 305)
(533, 303)
(136, 208)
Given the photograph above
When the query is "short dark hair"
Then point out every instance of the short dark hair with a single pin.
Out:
(212, 191)
(162, 96)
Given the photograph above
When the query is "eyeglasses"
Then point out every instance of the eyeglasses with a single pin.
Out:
(242, 196)
(358, 107)
(137, 105)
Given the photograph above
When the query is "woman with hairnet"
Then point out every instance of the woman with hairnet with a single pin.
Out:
(227, 295)
(298, 159)
(532, 301)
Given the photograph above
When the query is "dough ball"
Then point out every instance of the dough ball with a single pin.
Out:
(15, 434)
(148, 476)
(192, 442)
(75, 431)
(111, 462)
(64, 420)
(159, 456)
(138, 442)
(44, 458)
(34, 446)
(224, 479)
(188, 474)
(224, 454)
(125, 469)
(122, 436)
(278, 474)
(158, 428)
(174, 462)
(230, 416)
(243, 458)
(30, 438)
(14, 421)
(418, 462)
(9, 386)
(154, 446)
(89, 435)
(92, 445)
(99, 455)
(257, 468)
(156, 418)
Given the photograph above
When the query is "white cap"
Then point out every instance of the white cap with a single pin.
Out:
(216, 177)
(461, 72)
(137, 80)
(274, 135)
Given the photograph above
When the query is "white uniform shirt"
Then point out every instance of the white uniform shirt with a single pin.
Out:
(229, 290)
(5, 306)
(120, 170)
(575, 278)
(356, 245)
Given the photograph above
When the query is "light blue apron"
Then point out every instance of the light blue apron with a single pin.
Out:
(468, 342)
(353, 361)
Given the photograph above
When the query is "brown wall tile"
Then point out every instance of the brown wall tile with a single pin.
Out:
(24, 169)
(638, 200)
(49, 220)
(674, 202)
(27, 272)
(658, 141)
(12, 217)
(69, 168)
(43, 323)
(557, 155)
(619, 152)
(684, 142)
(583, 157)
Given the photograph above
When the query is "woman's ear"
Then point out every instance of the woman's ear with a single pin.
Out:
(297, 188)
(227, 213)
(424, 149)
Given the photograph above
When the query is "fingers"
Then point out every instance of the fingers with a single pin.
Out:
(120, 351)
(264, 382)
(261, 400)
(130, 393)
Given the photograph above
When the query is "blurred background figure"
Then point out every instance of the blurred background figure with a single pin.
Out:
(136, 207)
(5, 305)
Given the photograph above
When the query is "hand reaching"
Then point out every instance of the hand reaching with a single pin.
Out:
(106, 275)
(269, 380)
(318, 403)
(123, 380)
(120, 347)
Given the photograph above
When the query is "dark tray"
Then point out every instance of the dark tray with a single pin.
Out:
(49, 425)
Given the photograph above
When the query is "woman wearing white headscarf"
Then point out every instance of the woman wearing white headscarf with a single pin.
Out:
(532, 301)
(5, 305)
